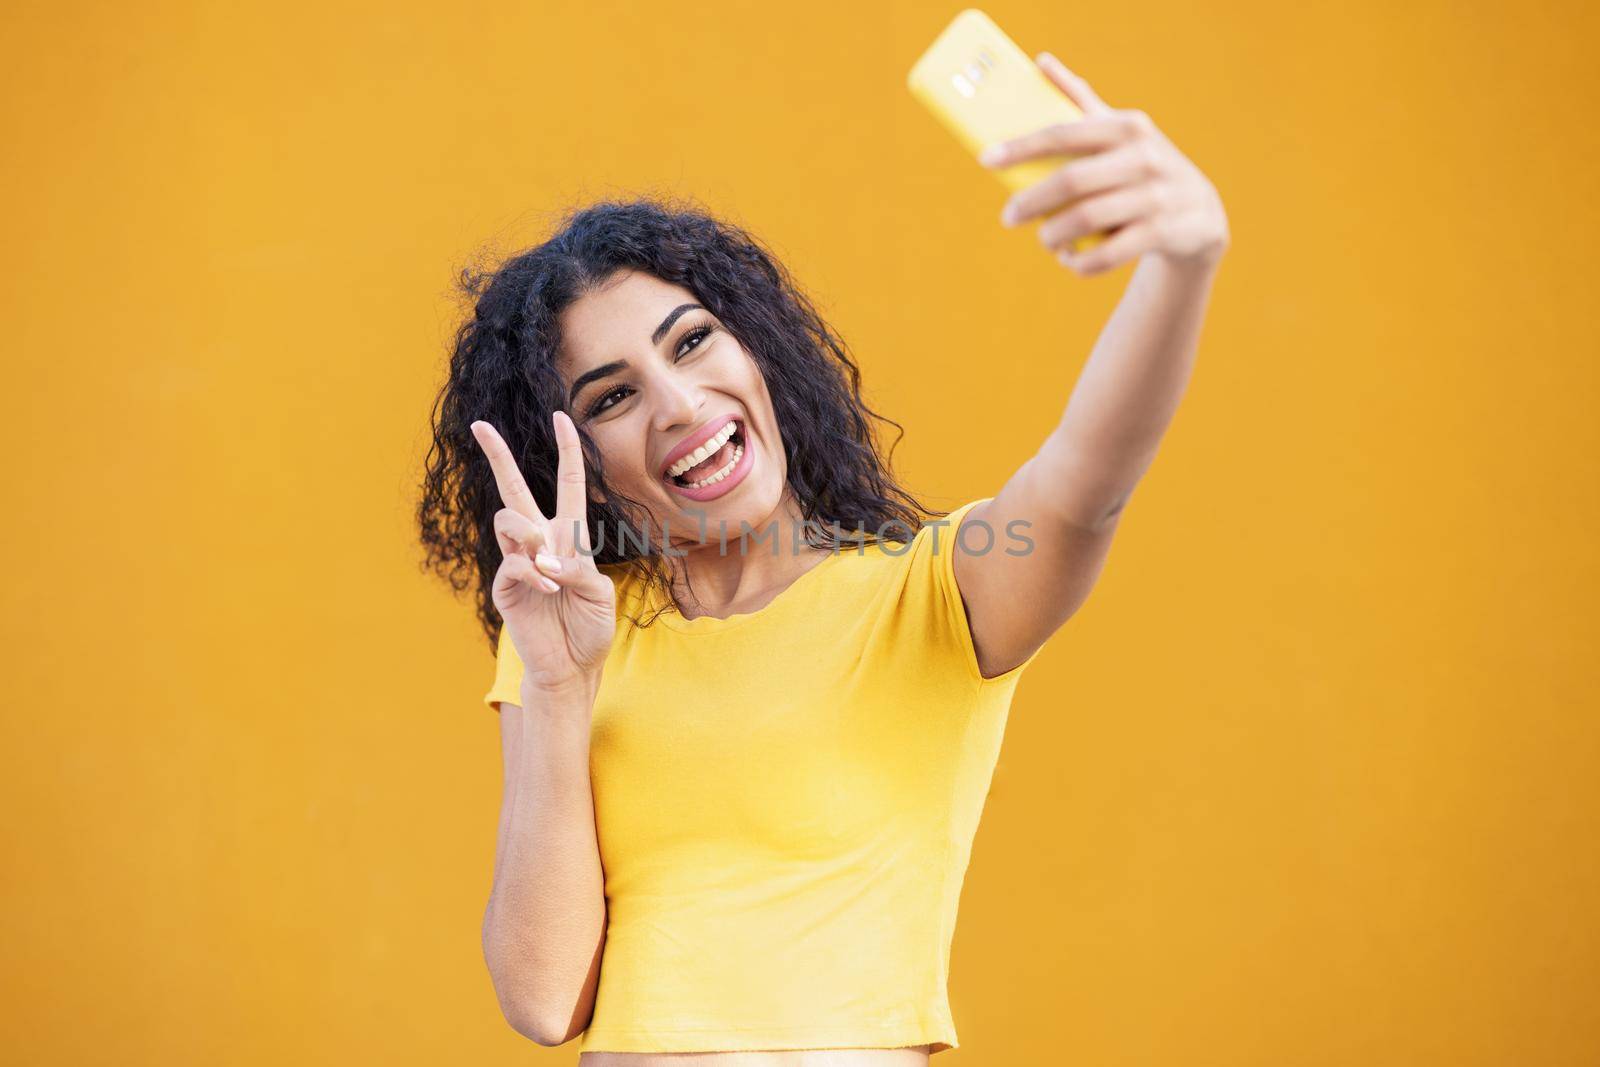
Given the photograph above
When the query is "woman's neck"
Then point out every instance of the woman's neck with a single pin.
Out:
(731, 574)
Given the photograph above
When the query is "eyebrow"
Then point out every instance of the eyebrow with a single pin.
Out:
(605, 370)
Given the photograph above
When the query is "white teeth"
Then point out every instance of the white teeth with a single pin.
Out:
(699, 455)
(738, 450)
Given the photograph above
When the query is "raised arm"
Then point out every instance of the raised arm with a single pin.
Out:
(544, 926)
(1129, 179)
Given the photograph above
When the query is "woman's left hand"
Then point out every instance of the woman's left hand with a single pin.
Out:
(1128, 179)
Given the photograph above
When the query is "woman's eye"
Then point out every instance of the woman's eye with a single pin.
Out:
(600, 403)
(697, 335)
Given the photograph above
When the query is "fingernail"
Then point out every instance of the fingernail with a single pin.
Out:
(548, 586)
(991, 155)
(1008, 217)
(546, 563)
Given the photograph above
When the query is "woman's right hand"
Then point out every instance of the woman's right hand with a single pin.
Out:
(559, 608)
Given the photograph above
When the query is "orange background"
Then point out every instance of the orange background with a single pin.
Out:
(1312, 778)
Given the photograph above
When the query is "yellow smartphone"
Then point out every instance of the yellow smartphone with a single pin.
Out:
(983, 89)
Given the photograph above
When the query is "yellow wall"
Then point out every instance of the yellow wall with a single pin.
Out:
(1312, 778)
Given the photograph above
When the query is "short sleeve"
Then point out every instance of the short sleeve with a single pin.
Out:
(931, 585)
(507, 673)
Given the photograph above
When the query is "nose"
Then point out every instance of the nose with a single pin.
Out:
(679, 402)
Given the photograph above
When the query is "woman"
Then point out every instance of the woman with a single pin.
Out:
(738, 663)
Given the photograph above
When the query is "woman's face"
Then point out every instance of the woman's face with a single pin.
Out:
(656, 380)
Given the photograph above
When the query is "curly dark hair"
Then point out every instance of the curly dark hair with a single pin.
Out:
(502, 370)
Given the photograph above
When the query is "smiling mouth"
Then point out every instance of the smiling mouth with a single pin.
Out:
(714, 466)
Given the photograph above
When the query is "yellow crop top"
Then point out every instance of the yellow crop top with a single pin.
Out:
(785, 804)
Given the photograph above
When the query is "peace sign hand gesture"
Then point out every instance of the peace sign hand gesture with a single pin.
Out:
(560, 610)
